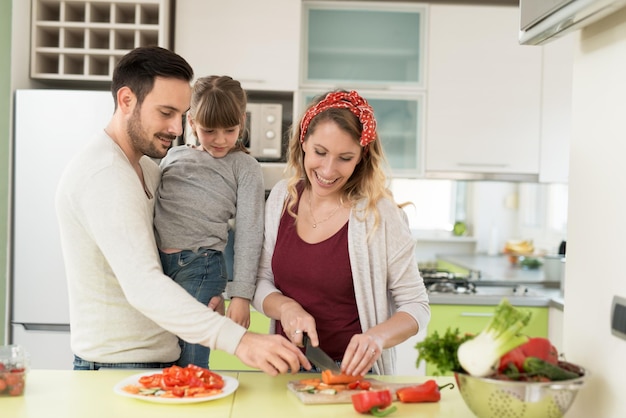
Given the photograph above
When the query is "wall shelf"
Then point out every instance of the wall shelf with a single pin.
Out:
(84, 40)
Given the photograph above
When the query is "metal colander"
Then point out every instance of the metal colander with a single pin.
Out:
(491, 398)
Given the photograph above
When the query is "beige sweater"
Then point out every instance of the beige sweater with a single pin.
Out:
(122, 307)
(384, 269)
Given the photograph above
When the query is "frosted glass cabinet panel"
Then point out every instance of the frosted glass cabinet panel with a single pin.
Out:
(373, 44)
(399, 121)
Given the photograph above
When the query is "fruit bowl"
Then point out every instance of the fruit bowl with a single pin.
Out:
(495, 398)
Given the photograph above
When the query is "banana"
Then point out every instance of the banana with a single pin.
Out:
(523, 247)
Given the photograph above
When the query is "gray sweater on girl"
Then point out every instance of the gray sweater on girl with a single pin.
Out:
(197, 197)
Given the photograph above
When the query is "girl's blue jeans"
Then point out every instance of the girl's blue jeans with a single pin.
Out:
(203, 274)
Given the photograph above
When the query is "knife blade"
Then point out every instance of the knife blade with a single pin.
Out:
(318, 357)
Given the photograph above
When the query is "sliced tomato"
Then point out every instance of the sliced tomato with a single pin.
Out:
(179, 392)
(365, 385)
(151, 381)
(177, 381)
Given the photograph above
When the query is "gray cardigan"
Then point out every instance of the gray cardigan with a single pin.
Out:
(384, 268)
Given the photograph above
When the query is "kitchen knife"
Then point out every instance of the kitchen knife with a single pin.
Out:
(318, 357)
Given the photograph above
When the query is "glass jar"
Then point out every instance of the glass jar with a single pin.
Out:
(14, 362)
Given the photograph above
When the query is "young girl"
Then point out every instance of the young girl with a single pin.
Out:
(202, 188)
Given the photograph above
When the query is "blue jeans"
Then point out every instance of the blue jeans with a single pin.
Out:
(203, 274)
(80, 364)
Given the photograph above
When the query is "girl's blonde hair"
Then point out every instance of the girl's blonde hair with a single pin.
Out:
(368, 181)
(220, 102)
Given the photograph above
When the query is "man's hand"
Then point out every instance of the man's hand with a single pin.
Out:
(217, 304)
(272, 354)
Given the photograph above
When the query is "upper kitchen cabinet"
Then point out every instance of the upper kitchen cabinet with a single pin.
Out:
(484, 95)
(84, 40)
(363, 44)
(556, 110)
(399, 122)
(252, 41)
(378, 49)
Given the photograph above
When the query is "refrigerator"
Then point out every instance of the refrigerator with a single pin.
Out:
(50, 126)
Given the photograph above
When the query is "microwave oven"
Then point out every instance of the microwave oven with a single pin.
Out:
(263, 135)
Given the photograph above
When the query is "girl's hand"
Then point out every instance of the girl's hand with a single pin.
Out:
(239, 311)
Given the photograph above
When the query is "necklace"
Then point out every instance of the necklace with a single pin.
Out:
(315, 222)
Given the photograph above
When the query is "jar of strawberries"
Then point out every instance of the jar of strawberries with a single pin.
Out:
(13, 368)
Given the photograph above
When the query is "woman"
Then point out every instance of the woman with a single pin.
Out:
(338, 258)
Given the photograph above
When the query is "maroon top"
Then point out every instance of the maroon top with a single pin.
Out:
(318, 276)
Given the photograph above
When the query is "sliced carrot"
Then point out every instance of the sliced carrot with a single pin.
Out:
(312, 381)
(331, 378)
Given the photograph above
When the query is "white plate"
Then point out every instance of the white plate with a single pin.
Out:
(230, 385)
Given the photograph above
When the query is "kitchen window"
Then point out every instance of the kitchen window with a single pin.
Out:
(434, 204)
(543, 213)
(532, 211)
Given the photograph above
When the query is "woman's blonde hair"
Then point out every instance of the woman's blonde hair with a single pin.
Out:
(368, 181)
(220, 102)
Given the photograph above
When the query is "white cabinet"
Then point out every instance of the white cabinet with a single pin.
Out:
(484, 93)
(382, 57)
(252, 41)
(406, 356)
(399, 122)
(366, 44)
(556, 118)
(83, 40)
(555, 327)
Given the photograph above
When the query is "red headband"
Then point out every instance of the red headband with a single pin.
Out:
(344, 100)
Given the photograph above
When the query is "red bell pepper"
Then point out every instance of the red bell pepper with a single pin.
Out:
(360, 384)
(428, 391)
(535, 347)
(377, 403)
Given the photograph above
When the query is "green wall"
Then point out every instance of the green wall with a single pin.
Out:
(5, 140)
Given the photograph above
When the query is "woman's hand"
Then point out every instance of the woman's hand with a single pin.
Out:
(361, 354)
(296, 321)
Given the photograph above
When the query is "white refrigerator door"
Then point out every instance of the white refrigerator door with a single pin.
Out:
(50, 126)
(46, 349)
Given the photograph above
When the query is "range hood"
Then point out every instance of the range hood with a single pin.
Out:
(543, 20)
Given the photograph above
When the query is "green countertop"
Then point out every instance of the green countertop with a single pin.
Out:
(79, 394)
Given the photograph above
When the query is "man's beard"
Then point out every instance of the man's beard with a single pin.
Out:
(139, 140)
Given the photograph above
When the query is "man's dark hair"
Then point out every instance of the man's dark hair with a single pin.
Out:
(139, 67)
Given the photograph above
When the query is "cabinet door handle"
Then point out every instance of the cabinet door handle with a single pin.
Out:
(477, 314)
(492, 165)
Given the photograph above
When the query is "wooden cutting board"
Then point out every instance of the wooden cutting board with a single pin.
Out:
(344, 396)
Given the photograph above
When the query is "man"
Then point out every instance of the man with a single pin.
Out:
(124, 312)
